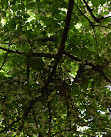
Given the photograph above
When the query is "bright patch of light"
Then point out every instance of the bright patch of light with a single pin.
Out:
(100, 9)
(63, 9)
(108, 87)
(41, 22)
(78, 25)
(109, 15)
(3, 21)
(81, 129)
(71, 77)
(32, 16)
(50, 34)
(90, 4)
(30, 19)
(102, 112)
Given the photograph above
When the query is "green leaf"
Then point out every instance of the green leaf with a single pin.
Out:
(103, 1)
(95, 2)
(36, 64)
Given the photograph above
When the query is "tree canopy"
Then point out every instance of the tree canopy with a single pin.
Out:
(55, 63)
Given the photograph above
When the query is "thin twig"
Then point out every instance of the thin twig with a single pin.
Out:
(47, 55)
(10, 4)
(69, 130)
(50, 118)
(16, 51)
(5, 57)
(102, 26)
(4, 60)
(91, 23)
(16, 134)
(7, 128)
(28, 71)
(35, 120)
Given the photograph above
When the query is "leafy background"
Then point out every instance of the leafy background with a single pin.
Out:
(55, 68)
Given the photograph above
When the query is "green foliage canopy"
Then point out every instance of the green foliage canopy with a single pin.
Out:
(55, 68)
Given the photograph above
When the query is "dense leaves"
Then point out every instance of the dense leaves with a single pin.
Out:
(55, 68)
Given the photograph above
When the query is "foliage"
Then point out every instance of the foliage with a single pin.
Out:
(55, 68)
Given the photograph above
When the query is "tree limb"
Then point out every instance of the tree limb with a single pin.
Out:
(84, 14)
(64, 36)
(96, 68)
(58, 57)
(98, 20)
(47, 55)
(16, 51)
(62, 44)
(90, 11)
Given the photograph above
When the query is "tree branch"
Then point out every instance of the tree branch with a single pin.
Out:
(58, 57)
(71, 56)
(10, 4)
(62, 44)
(90, 11)
(105, 17)
(96, 68)
(102, 26)
(47, 55)
(84, 14)
(50, 118)
(98, 20)
(35, 120)
(7, 128)
(47, 39)
(16, 51)
(64, 36)
(31, 104)
(4, 60)
(91, 23)
(71, 129)
(28, 71)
